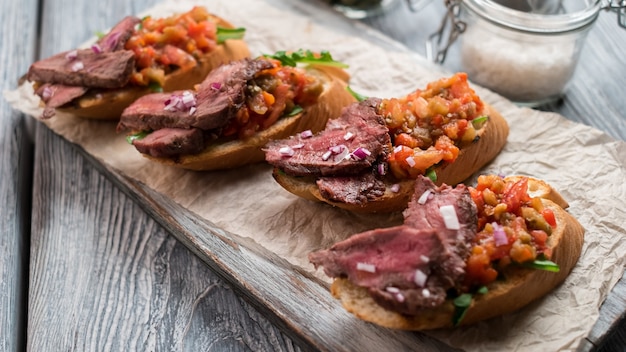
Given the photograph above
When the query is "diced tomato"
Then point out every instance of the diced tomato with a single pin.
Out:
(548, 214)
(515, 194)
(406, 140)
(540, 237)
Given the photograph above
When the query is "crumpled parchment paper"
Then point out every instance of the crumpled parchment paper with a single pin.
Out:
(584, 164)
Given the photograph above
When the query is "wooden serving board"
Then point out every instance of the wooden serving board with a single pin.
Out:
(292, 297)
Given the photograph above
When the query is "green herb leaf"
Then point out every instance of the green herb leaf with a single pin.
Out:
(295, 111)
(461, 305)
(479, 121)
(100, 35)
(155, 87)
(136, 136)
(356, 95)
(229, 33)
(431, 174)
(306, 57)
(543, 264)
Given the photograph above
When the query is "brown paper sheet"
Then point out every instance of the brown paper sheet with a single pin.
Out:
(584, 164)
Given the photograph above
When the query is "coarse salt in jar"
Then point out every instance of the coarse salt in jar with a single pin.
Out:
(525, 50)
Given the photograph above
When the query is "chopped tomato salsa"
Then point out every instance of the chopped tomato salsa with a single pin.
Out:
(273, 93)
(513, 228)
(433, 123)
(163, 44)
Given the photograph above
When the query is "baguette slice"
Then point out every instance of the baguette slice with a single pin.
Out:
(108, 105)
(492, 138)
(225, 155)
(520, 287)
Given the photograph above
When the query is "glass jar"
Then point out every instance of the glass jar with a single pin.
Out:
(526, 50)
(527, 54)
(359, 9)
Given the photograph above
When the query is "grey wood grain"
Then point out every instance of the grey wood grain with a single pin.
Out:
(106, 277)
(16, 51)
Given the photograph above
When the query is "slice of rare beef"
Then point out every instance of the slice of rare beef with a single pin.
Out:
(55, 95)
(117, 37)
(351, 189)
(399, 266)
(217, 101)
(424, 211)
(347, 146)
(171, 142)
(85, 68)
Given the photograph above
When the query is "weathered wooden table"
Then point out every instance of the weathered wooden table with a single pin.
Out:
(85, 267)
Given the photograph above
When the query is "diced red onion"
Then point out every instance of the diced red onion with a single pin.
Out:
(499, 236)
(298, 146)
(370, 268)
(381, 169)
(183, 102)
(424, 197)
(96, 49)
(425, 293)
(77, 66)
(47, 93)
(216, 85)
(410, 161)
(397, 149)
(306, 134)
(286, 151)
(392, 289)
(348, 136)
(450, 218)
(395, 188)
(326, 155)
(424, 258)
(341, 153)
(71, 55)
(420, 278)
(361, 153)
(337, 149)
(399, 297)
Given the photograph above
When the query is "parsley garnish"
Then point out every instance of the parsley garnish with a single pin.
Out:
(136, 136)
(431, 174)
(295, 111)
(462, 304)
(479, 121)
(155, 87)
(356, 95)
(229, 33)
(543, 264)
(306, 57)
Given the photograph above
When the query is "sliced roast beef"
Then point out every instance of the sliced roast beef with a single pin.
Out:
(171, 142)
(217, 101)
(117, 37)
(55, 95)
(424, 211)
(347, 146)
(85, 68)
(351, 189)
(399, 266)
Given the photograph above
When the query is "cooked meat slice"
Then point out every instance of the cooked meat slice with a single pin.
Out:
(218, 99)
(351, 189)
(85, 68)
(347, 146)
(171, 142)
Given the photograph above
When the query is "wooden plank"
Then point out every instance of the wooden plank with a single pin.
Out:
(16, 51)
(105, 276)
